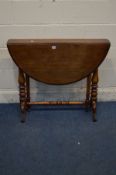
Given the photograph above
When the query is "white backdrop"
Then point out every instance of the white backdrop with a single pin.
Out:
(57, 19)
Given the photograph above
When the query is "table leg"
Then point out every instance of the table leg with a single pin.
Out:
(88, 92)
(94, 93)
(27, 89)
(22, 94)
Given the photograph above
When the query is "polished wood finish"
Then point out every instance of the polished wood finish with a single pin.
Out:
(58, 61)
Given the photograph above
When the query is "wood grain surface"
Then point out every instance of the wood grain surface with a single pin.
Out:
(58, 61)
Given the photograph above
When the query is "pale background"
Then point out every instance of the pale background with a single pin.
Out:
(57, 19)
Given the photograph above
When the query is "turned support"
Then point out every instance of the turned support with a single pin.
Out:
(88, 92)
(22, 94)
(27, 90)
(94, 93)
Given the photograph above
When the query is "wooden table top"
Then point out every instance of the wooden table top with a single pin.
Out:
(58, 61)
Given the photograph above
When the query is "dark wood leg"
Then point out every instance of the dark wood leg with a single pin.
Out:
(22, 94)
(94, 93)
(27, 89)
(88, 93)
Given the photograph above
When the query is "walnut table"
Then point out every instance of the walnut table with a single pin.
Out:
(59, 62)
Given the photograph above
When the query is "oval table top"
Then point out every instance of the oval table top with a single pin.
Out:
(58, 61)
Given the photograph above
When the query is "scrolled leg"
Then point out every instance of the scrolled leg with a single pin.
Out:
(94, 93)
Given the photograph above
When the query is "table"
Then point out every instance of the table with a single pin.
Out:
(59, 62)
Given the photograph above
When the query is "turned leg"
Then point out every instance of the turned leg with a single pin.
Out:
(94, 93)
(22, 94)
(27, 89)
(88, 92)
